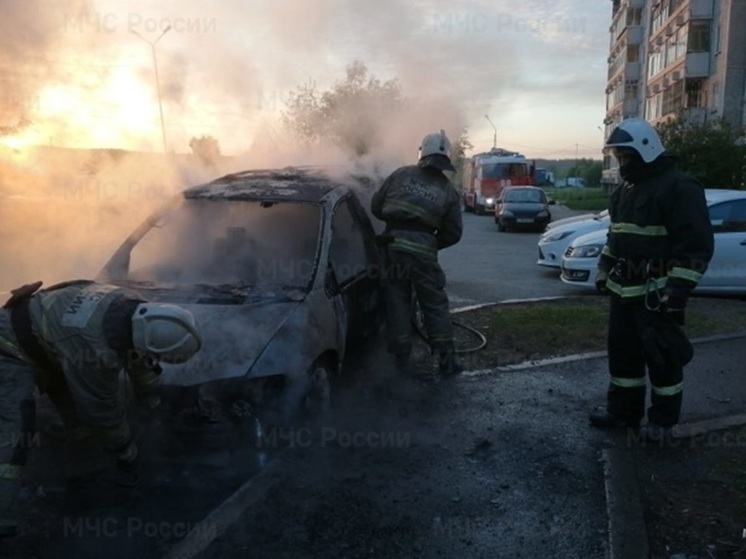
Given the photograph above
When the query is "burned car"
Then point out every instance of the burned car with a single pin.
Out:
(280, 269)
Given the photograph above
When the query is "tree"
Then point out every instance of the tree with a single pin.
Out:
(589, 170)
(206, 148)
(712, 151)
(348, 115)
(458, 156)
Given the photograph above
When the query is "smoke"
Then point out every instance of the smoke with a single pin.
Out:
(80, 74)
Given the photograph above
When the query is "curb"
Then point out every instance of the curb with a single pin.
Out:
(584, 357)
(205, 532)
(627, 531)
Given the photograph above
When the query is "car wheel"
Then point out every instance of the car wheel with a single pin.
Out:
(317, 401)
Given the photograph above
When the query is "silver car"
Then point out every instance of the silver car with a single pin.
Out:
(281, 271)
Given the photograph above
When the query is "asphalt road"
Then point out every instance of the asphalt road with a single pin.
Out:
(498, 465)
(487, 266)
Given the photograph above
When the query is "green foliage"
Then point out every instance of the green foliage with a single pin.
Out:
(712, 151)
(588, 169)
(347, 115)
(590, 199)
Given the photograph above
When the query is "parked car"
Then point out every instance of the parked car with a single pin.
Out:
(726, 273)
(522, 207)
(554, 241)
(571, 182)
(280, 269)
(575, 218)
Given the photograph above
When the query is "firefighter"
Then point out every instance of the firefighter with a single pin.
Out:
(659, 244)
(422, 212)
(71, 341)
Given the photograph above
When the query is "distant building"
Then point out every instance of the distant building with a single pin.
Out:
(671, 55)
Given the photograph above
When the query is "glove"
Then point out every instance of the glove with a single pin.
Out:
(674, 308)
(601, 277)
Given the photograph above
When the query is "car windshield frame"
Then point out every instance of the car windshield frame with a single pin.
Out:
(297, 272)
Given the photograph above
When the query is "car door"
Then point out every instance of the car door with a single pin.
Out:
(350, 260)
(727, 269)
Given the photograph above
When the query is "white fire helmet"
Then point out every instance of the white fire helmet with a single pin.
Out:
(435, 144)
(168, 332)
(639, 135)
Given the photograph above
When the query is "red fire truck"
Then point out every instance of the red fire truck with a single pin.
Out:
(486, 174)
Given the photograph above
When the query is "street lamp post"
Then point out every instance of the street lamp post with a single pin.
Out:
(494, 137)
(157, 81)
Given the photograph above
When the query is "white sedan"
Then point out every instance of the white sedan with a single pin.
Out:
(558, 236)
(726, 273)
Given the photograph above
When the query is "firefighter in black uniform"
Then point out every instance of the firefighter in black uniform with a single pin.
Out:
(659, 244)
(422, 212)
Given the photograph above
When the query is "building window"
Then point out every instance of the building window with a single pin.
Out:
(633, 53)
(634, 16)
(699, 36)
(681, 37)
(631, 87)
(695, 93)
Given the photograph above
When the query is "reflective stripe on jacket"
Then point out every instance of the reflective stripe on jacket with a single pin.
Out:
(660, 231)
(424, 197)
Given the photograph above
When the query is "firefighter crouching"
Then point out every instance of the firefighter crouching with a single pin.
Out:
(422, 212)
(71, 341)
(659, 245)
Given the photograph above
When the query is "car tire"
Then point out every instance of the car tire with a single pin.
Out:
(302, 400)
(317, 401)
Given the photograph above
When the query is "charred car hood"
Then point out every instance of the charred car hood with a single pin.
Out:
(233, 337)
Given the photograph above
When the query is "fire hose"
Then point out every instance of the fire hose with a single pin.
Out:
(420, 331)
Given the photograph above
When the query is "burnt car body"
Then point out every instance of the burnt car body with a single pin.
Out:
(279, 268)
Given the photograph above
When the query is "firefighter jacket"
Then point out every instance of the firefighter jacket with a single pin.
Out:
(85, 329)
(660, 238)
(421, 209)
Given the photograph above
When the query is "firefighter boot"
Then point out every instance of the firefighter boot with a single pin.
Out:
(402, 363)
(9, 489)
(448, 364)
(602, 419)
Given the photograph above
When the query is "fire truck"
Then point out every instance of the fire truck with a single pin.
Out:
(487, 174)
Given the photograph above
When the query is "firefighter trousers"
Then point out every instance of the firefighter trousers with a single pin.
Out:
(17, 412)
(404, 275)
(632, 349)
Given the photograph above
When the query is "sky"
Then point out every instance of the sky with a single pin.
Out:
(80, 73)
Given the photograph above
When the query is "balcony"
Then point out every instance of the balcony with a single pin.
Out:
(695, 115)
(631, 108)
(634, 35)
(697, 65)
(632, 71)
(701, 9)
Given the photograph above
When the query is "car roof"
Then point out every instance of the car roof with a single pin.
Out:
(715, 195)
(297, 184)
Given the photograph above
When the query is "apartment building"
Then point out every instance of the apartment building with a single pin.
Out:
(668, 56)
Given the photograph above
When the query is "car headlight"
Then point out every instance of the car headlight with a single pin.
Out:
(490, 201)
(551, 237)
(542, 213)
(586, 251)
(506, 213)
